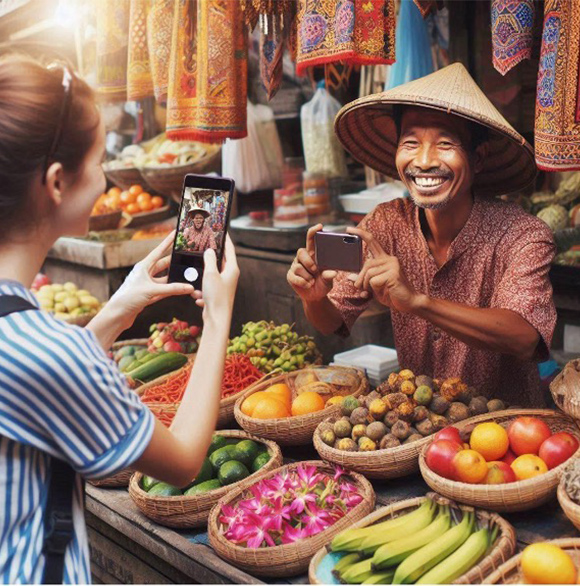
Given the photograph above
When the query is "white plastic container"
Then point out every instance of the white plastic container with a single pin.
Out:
(377, 361)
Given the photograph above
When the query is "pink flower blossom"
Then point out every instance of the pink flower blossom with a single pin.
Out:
(230, 516)
(292, 534)
(316, 520)
(255, 530)
(347, 487)
(309, 476)
(300, 501)
(338, 472)
(255, 506)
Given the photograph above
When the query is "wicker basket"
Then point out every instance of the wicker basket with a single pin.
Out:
(193, 511)
(509, 572)
(169, 180)
(380, 464)
(80, 320)
(119, 480)
(570, 508)
(503, 549)
(108, 221)
(298, 430)
(124, 178)
(134, 342)
(514, 496)
(290, 559)
(564, 389)
(144, 218)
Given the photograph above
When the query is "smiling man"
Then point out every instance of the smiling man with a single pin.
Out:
(465, 274)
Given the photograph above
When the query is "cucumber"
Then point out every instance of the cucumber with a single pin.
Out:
(203, 487)
(158, 365)
(141, 353)
(125, 351)
(125, 362)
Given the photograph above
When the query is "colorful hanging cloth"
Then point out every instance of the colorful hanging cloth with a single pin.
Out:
(159, 31)
(557, 131)
(139, 81)
(272, 44)
(414, 43)
(208, 72)
(112, 48)
(426, 6)
(357, 32)
(512, 23)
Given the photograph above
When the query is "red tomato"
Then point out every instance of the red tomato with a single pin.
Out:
(440, 455)
(194, 331)
(449, 433)
(558, 448)
(526, 435)
(508, 458)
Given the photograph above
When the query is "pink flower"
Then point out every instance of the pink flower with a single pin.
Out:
(338, 472)
(255, 506)
(230, 516)
(315, 520)
(255, 531)
(352, 500)
(346, 487)
(309, 476)
(276, 486)
(281, 510)
(292, 534)
(300, 502)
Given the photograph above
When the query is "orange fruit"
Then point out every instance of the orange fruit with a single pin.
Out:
(135, 189)
(133, 208)
(114, 200)
(270, 408)
(127, 197)
(490, 440)
(114, 191)
(282, 392)
(308, 402)
(249, 404)
(143, 197)
(528, 466)
(145, 206)
(546, 563)
(470, 466)
(157, 202)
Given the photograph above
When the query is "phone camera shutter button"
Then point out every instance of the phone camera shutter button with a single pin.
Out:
(191, 274)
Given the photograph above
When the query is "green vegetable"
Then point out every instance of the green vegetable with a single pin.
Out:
(158, 365)
(124, 362)
(247, 451)
(217, 442)
(148, 482)
(205, 473)
(221, 456)
(203, 487)
(260, 461)
(164, 489)
(125, 351)
(141, 353)
(231, 472)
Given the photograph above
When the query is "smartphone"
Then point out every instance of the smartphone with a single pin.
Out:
(202, 223)
(339, 252)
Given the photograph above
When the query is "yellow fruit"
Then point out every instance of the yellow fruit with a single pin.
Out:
(308, 402)
(546, 563)
(60, 307)
(88, 301)
(46, 304)
(69, 287)
(270, 408)
(282, 392)
(335, 400)
(83, 292)
(490, 440)
(250, 403)
(528, 466)
(71, 303)
(47, 289)
(60, 296)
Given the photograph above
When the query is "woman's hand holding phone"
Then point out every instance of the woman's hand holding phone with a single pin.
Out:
(309, 283)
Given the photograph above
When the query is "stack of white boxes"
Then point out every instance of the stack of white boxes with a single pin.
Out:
(377, 361)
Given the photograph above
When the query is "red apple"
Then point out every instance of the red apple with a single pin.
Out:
(194, 331)
(439, 457)
(40, 280)
(499, 472)
(449, 433)
(526, 435)
(165, 336)
(172, 346)
(508, 458)
(558, 448)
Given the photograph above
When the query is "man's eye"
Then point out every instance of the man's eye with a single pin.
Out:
(410, 143)
(445, 143)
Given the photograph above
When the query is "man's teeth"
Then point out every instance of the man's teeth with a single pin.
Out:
(429, 181)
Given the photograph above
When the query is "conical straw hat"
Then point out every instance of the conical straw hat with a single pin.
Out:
(367, 129)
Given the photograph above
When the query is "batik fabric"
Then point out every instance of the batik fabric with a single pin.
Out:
(139, 81)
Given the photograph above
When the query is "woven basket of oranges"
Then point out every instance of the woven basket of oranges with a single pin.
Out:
(288, 408)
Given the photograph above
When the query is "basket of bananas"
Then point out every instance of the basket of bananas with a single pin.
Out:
(424, 540)
(288, 407)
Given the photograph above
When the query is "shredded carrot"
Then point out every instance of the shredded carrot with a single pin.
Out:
(239, 374)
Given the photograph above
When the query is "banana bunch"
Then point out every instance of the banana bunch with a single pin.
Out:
(422, 547)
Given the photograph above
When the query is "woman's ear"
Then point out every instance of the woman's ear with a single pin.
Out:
(481, 152)
(54, 179)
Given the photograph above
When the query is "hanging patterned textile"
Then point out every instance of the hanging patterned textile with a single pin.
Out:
(112, 48)
(207, 91)
(357, 32)
(139, 81)
(557, 129)
(272, 44)
(426, 6)
(512, 24)
(159, 31)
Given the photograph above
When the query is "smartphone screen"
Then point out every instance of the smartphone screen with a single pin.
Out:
(202, 225)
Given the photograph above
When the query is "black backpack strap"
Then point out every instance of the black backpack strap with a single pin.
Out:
(58, 517)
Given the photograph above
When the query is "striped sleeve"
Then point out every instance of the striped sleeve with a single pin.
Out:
(63, 395)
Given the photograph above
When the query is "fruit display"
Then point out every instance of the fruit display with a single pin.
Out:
(546, 563)
(140, 365)
(310, 391)
(66, 300)
(228, 460)
(174, 336)
(492, 454)
(288, 507)
(402, 410)
(274, 347)
(432, 544)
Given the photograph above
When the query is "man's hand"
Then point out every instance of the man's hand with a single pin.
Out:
(383, 275)
(309, 283)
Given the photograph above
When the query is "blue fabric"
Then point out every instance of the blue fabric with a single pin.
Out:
(60, 395)
(413, 47)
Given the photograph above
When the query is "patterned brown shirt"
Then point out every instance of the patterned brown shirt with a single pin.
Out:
(501, 259)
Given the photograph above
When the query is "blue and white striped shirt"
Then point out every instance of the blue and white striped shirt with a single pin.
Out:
(60, 395)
